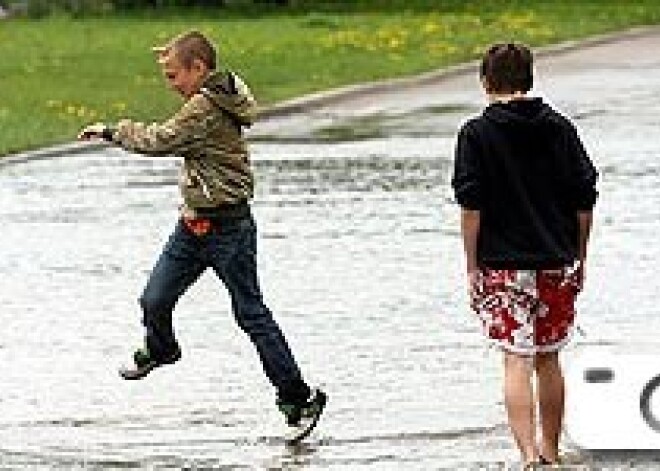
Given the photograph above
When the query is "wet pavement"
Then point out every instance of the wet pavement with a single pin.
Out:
(361, 261)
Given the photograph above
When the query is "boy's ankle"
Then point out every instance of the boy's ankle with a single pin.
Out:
(296, 392)
(548, 453)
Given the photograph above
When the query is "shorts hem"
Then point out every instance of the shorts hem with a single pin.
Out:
(533, 350)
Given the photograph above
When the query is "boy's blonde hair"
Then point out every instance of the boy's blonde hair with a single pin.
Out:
(187, 47)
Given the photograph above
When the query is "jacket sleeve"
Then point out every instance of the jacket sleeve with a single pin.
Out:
(466, 180)
(583, 174)
(176, 134)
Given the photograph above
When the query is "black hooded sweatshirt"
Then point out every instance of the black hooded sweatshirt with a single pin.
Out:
(523, 166)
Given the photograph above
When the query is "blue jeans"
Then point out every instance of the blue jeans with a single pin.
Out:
(230, 249)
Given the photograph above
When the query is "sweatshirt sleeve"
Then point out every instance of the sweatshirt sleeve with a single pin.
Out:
(179, 132)
(583, 175)
(466, 180)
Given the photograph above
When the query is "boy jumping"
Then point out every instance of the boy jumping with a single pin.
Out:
(216, 228)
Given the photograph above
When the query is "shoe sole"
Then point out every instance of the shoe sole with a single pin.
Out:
(132, 375)
(312, 425)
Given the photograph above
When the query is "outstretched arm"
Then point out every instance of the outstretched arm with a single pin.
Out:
(175, 134)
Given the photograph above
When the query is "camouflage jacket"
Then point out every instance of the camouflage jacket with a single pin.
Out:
(207, 133)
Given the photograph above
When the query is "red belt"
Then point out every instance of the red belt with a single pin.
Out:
(198, 226)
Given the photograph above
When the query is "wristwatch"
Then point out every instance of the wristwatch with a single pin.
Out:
(108, 133)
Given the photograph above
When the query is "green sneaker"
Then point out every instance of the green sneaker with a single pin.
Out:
(143, 363)
(301, 419)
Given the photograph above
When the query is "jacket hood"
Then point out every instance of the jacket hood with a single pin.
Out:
(525, 112)
(227, 91)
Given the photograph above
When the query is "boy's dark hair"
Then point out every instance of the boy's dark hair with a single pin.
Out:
(190, 46)
(507, 68)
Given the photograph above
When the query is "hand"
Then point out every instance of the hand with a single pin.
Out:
(474, 287)
(472, 270)
(472, 277)
(575, 277)
(93, 131)
(579, 277)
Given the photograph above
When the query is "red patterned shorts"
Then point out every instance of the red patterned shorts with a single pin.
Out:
(526, 311)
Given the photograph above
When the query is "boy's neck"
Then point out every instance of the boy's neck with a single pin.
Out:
(203, 79)
(506, 97)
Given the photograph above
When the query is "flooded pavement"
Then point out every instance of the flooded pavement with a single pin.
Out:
(361, 262)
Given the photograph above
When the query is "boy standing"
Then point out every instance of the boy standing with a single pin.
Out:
(216, 229)
(527, 188)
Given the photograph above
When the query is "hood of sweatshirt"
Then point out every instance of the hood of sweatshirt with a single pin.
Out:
(227, 91)
(525, 112)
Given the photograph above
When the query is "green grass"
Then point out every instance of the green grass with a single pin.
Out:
(59, 73)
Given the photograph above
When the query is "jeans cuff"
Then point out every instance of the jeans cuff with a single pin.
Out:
(294, 392)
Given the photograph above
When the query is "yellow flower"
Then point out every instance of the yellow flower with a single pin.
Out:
(442, 48)
(430, 28)
(542, 31)
(394, 43)
(517, 21)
